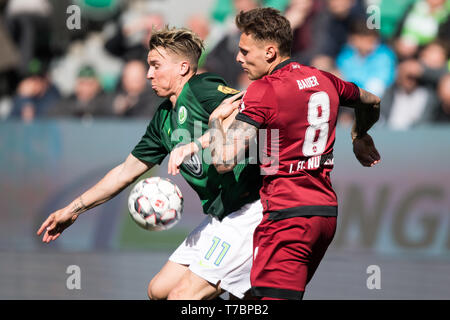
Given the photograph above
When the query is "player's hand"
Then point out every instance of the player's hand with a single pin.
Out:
(179, 155)
(226, 108)
(365, 151)
(56, 223)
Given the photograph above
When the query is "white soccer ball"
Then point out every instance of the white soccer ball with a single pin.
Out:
(155, 204)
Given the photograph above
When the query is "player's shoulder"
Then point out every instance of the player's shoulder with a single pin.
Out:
(258, 89)
(324, 77)
(162, 111)
(209, 83)
(164, 106)
(310, 71)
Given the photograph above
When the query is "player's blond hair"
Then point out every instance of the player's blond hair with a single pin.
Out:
(180, 41)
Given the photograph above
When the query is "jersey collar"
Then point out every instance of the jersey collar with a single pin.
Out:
(283, 64)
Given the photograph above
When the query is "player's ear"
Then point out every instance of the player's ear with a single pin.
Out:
(271, 53)
(184, 68)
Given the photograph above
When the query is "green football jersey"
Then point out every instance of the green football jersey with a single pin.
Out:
(220, 194)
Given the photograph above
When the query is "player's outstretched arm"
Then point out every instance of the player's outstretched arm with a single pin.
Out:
(109, 186)
(367, 113)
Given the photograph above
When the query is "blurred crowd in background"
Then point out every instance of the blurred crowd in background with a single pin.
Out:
(397, 49)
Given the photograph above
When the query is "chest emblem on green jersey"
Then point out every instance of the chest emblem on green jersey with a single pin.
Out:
(182, 114)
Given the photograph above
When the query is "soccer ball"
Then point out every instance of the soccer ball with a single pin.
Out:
(155, 204)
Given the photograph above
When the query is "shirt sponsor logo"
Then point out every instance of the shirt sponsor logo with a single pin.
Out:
(227, 90)
(194, 165)
(182, 114)
(311, 163)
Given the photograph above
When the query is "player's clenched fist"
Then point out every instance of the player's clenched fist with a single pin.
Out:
(365, 151)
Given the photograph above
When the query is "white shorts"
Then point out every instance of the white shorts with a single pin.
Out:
(223, 250)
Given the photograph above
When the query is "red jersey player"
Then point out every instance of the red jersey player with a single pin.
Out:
(298, 105)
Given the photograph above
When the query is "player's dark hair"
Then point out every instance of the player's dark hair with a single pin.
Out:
(180, 41)
(267, 24)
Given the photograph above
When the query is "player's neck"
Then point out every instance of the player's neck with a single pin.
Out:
(178, 88)
(276, 62)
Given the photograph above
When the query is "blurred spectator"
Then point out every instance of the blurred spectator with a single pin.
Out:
(9, 61)
(434, 55)
(131, 39)
(224, 12)
(303, 16)
(408, 102)
(35, 94)
(443, 113)
(9, 58)
(222, 59)
(334, 25)
(418, 80)
(365, 61)
(114, 38)
(29, 27)
(88, 100)
(392, 15)
(431, 65)
(444, 34)
(223, 9)
(421, 26)
(135, 98)
(200, 25)
(89, 51)
(98, 10)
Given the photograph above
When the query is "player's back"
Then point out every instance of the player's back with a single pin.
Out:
(297, 106)
(307, 111)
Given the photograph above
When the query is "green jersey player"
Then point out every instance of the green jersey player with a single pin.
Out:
(171, 126)
(216, 255)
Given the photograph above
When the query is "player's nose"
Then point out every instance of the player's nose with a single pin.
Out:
(239, 58)
(150, 74)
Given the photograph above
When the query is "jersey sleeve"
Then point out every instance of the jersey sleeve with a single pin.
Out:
(151, 149)
(258, 104)
(348, 91)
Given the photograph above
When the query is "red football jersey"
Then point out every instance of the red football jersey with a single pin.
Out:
(295, 109)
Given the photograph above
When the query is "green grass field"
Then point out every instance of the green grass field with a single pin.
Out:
(134, 237)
